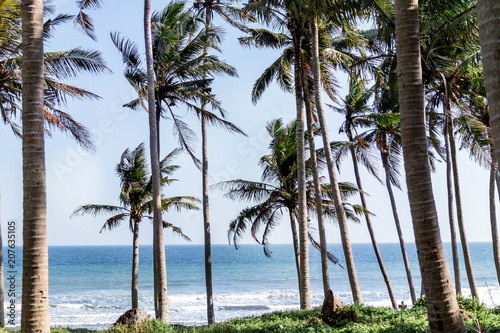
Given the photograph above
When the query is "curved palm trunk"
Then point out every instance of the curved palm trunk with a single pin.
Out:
(339, 208)
(451, 216)
(317, 190)
(493, 221)
(2, 315)
(488, 15)
(296, 251)
(35, 298)
(369, 225)
(385, 162)
(305, 299)
(442, 306)
(159, 264)
(460, 219)
(135, 266)
(206, 216)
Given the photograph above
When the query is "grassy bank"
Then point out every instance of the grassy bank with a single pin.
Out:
(351, 318)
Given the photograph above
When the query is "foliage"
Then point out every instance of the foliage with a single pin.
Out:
(368, 319)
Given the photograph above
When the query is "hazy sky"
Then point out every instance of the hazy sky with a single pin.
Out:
(75, 177)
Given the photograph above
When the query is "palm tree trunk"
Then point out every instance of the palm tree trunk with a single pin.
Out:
(206, 216)
(460, 219)
(385, 162)
(317, 184)
(370, 227)
(296, 250)
(448, 128)
(488, 15)
(301, 175)
(2, 315)
(159, 264)
(451, 216)
(35, 298)
(158, 118)
(135, 266)
(493, 220)
(442, 306)
(339, 208)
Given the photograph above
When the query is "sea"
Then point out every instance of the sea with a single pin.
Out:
(89, 286)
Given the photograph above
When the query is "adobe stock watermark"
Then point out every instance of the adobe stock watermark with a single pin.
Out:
(11, 274)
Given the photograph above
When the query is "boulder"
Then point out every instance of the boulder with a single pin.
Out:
(133, 317)
(329, 305)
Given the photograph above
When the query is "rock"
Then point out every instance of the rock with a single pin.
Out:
(329, 305)
(133, 316)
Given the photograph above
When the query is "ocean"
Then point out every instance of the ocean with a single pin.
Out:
(89, 286)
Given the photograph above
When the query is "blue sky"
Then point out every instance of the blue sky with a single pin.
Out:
(75, 177)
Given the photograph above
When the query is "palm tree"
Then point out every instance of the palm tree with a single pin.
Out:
(293, 30)
(355, 107)
(227, 12)
(451, 47)
(278, 192)
(136, 202)
(387, 138)
(159, 264)
(35, 305)
(442, 306)
(344, 232)
(181, 66)
(488, 19)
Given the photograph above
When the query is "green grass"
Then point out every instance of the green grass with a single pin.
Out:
(353, 318)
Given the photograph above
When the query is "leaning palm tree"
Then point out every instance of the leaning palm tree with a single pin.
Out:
(385, 134)
(35, 301)
(355, 107)
(136, 202)
(442, 307)
(277, 193)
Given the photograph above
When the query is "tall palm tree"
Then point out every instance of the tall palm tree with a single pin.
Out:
(278, 191)
(317, 187)
(289, 30)
(183, 72)
(442, 307)
(355, 107)
(159, 264)
(450, 48)
(344, 232)
(286, 16)
(231, 15)
(35, 305)
(488, 19)
(136, 202)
